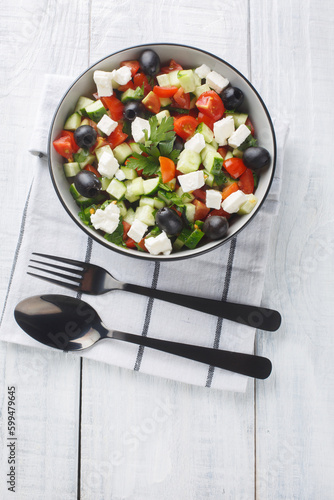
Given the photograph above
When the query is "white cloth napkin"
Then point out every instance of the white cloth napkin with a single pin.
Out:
(233, 272)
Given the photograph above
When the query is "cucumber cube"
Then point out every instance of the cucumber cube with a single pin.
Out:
(202, 88)
(248, 206)
(96, 110)
(158, 203)
(99, 152)
(145, 214)
(163, 114)
(190, 212)
(187, 80)
(163, 80)
(122, 152)
(173, 79)
(122, 208)
(130, 195)
(189, 161)
(130, 216)
(129, 173)
(104, 183)
(116, 189)
(71, 169)
(150, 186)
(145, 200)
(73, 122)
(82, 103)
(205, 131)
(135, 148)
(138, 186)
(165, 101)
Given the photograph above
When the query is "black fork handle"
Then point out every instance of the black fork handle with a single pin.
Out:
(258, 317)
(237, 362)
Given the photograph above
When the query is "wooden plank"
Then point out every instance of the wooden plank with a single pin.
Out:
(144, 437)
(42, 37)
(293, 70)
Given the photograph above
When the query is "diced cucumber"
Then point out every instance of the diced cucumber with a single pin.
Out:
(190, 212)
(137, 186)
(82, 103)
(150, 186)
(173, 79)
(71, 169)
(162, 195)
(83, 157)
(135, 148)
(202, 88)
(104, 183)
(207, 149)
(122, 152)
(158, 203)
(163, 80)
(122, 208)
(239, 119)
(82, 201)
(248, 206)
(96, 110)
(130, 195)
(187, 80)
(182, 237)
(129, 173)
(237, 153)
(162, 114)
(205, 131)
(132, 95)
(215, 144)
(130, 216)
(171, 184)
(228, 155)
(194, 238)
(99, 152)
(165, 101)
(185, 197)
(209, 178)
(145, 214)
(72, 122)
(145, 200)
(116, 189)
(192, 104)
(197, 79)
(85, 121)
(213, 163)
(189, 161)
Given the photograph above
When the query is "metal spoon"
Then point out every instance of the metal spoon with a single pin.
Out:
(71, 324)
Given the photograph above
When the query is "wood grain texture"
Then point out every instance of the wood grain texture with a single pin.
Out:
(292, 69)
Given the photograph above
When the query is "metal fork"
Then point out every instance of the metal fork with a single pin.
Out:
(94, 280)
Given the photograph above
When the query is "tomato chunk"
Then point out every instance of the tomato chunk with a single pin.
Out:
(185, 126)
(182, 99)
(152, 102)
(90, 168)
(167, 167)
(246, 181)
(201, 210)
(200, 194)
(211, 105)
(220, 212)
(171, 67)
(248, 123)
(235, 167)
(117, 137)
(133, 65)
(205, 119)
(129, 85)
(164, 91)
(229, 190)
(139, 80)
(65, 145)
(115, 107)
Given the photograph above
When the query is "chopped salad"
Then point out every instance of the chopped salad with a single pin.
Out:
(160, 158)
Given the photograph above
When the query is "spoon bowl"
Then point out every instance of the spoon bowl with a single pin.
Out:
(71, 324)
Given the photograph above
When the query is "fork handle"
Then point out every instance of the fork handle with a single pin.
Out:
(258, 317)
(237, 362)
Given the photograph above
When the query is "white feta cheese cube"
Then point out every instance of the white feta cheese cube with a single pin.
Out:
(137, 129)
(239, 136)
(202, 71)
(137, 230)
(107, 219)
(223, 129)
(233, 202)
(216, 81)
(123, 75)
(213, 199)
(103, 80)
(192, 181)
(159, 244)
(108, 165)
(107, 125)
(196, 143)
(120, 175)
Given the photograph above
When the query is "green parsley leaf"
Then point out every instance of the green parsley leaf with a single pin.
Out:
(248, 143)
(162, 132)
(149, 164)
(117, 236)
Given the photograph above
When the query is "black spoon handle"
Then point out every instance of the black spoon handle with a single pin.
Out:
(258, 317)
(245, 364)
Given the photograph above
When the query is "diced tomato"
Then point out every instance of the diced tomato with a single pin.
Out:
(141, 245)
(171, 67)
(167, 167)
(185, 126)
(129, 85)
(126, 227)
(201, 210)
(232, 188)
(93, 124)
(211, 105)
(130, 243)
(115, 107)
(235, 167)
(139, 80)
(248, 123)
(133, 65)
(152, 102)
(182, 99)
(220, 212)
(205, 119)
(90, 168)
(246, 181)
(200, 194)
(117, 137)
(164, 91)
(65, 145)
(223, 150)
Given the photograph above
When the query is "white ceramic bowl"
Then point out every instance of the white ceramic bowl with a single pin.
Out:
(188, 57)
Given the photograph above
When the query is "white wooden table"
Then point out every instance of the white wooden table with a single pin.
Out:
(92, 431)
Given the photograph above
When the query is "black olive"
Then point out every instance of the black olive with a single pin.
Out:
(85, 136)
(215, 227)
(169, 221)
(256, 158)
(131, 110)
(149, 62)
(87, 184)
(178, 144)
(232, 97)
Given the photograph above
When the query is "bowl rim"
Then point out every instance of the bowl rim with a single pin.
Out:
(176, 256)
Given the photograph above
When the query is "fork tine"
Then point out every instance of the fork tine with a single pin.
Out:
(61, 275)
(62, 268)
(62, 259)
(56, 282)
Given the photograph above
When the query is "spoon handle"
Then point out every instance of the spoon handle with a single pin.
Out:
(245, 364)
(258, 317)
